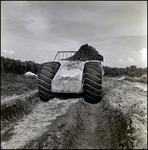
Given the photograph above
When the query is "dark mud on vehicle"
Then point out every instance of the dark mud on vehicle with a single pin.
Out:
(118, 121)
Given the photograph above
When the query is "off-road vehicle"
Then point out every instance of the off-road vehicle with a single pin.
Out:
(72, 72)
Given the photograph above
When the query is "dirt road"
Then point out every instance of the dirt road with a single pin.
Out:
(119, 121)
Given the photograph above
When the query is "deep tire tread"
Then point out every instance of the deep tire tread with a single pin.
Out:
(44, 84)
(92, 93)
(95, 72)
(92, 82)
(49, 72)
(44, 89)
(92, 89)
(45, 95)
(45, 77)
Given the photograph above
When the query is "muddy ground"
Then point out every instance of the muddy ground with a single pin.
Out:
(119, 121)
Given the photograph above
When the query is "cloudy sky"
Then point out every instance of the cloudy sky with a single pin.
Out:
(37, 30)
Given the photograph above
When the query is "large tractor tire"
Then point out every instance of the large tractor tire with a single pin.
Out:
(45, 76)
(92, 82)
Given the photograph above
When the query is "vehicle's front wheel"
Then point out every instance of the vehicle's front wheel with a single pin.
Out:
(92, 82)
(45, 76)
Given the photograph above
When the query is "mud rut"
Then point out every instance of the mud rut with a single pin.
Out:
(27, 122)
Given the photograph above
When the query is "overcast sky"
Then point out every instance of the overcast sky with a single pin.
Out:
(37, 30)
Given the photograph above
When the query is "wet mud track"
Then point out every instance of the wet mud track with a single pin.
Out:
(72, 123)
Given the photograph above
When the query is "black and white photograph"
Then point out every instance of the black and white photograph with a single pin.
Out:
(73, 74)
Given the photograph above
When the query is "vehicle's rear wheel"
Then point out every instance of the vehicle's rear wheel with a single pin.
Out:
(92, 78)
(45, 76)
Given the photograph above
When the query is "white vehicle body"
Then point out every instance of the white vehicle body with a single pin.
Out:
(69, 77)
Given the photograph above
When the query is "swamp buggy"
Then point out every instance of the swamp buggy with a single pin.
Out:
(72, 72)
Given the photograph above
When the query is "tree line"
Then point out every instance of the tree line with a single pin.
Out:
(131, 71)
(18, 67)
